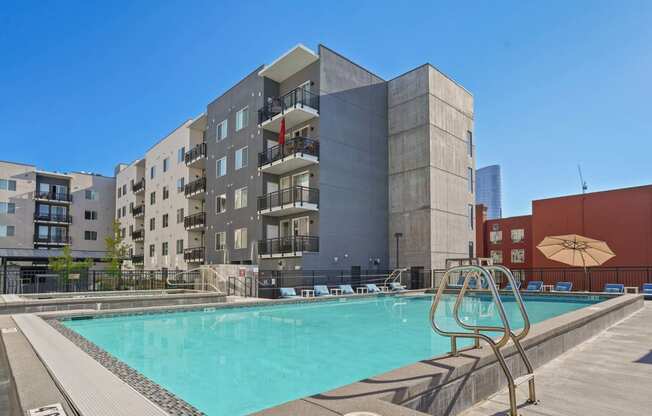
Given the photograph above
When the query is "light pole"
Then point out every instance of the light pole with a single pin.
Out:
(398, 236)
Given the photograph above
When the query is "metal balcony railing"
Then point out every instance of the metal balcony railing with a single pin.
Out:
(297, 145)
(138, 235)
(52, 239)
(194, 220)
(297, 98)
(288, 245)
(292, 196)
(193, 187)
(195, 153)
(138, 259)
(54, 196)
(138, 186)
(194, 255)
(138, 210)
(52, 217)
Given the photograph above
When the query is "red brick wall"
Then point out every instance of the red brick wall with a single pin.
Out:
(506, 225)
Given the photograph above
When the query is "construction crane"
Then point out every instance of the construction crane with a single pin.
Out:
(582, 181)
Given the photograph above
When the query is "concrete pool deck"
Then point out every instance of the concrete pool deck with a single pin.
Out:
(609, 375)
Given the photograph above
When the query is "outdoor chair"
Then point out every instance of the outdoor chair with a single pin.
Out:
(321, 290)
(346, 289)
(534, 286)
(647, 291)
(563, 287)
(396, 287)
(614, 288)
(288, 293)
(508, 286)
(372, 288)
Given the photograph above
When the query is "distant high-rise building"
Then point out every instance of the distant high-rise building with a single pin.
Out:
(489, 190)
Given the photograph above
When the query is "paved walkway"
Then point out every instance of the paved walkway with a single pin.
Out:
(610, 374)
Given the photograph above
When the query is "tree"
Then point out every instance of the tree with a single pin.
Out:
(64, 264)
(116, 249)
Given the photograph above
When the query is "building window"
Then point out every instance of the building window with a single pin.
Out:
(164, 248)
(221, 167)
(131, 230)
(469, 143)
(131, 207)
(90, 235)
(179, 246)
(240, 238)
(220, 240)
(117, 213)
(241, 158)
(518, 235)
(91, 195)
(220, 203)
(124, 189)
(496, 256)
(496, 237)
(242, 119)
(166, 163)
(123, 232)
(7, 185)
(469, 177)
(90, 215)
(181, 182)
(181, 155)
(471, 250)
(119, 192)
(165, 221)
(152, 250)
(152, 198)
(152, 224)
(7, 208)
(152, 172)
(470, 215)
(518, 255)
(240, 198)
(222, 129)
(7, 230)
(166, 193)
(179, 215)
(124, 211)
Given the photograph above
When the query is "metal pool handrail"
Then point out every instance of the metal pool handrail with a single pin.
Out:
(203, 280)
(394, 275)
(517, 295)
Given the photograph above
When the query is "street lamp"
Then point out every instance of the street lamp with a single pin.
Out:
(398, 236)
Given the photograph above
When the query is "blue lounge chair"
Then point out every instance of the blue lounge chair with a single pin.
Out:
(534, 286)
(288, 293)
(372, 288)
(647, 290)
(396, 287)
(614, 288)
(321, 290)
(563, 287)
(508, 286)
(346, 289)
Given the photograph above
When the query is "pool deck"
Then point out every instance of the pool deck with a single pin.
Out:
(609, 375)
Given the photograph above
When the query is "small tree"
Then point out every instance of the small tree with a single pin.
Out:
(64, 264)
(116, 249)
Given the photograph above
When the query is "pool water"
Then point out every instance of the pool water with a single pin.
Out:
(240, 360)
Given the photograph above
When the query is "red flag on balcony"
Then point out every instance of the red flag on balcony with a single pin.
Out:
(281, 133)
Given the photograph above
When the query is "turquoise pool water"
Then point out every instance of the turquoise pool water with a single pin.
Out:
(240, 360)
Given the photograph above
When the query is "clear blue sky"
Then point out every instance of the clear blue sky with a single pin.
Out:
(84, 86)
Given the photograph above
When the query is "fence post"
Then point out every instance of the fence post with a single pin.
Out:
(93, 279)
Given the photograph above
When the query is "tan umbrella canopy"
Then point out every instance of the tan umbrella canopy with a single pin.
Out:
(575, 250)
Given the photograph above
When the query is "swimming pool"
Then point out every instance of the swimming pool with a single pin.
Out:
(241, 360)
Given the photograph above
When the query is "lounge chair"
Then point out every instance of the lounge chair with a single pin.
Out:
(563, 287)
(534, 286)
(508, 286)
(372, 288)
(646, 289)
(346, 289)
(321, 290)
(614, 288)
(288, 293)
(396, 287)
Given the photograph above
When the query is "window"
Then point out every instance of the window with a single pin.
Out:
(152, 250)
(91, 195)
(240, 198)
(152, 224)
(470, 214)
(165, 221)
(181, 182)
(7, 208)
(518, 234)
(118, 212)
(222, 130)
(469, 143)
(179, 215)
(124, 211)
(152, 198)
(123, 232)
(152, 172)
(181, 155)
(221, 167)
(220, 203)
(242, 119)
(7, 230)
(220, 240)
(90, 235)
(90, 215)
(240, 238)
(124, 189)
(164, 248)
(166, 163)
(469, 177)
(131, 207)
(518, 255)
(179, 246)
(7, 185)
(496, 256)
(241, 158)
(131, 230)
(496, 237)
(471, 250)
(166, 193)
(119, 192)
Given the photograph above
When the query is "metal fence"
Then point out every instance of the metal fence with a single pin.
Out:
(593, 280)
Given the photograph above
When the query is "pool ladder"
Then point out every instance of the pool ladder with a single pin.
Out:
(476, 272)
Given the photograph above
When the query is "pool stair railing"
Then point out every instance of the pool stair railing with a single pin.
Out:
(394, 277)
(487, 273)
(208, 279)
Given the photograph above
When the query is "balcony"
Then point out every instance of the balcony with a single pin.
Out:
(138, 235)
(139, 186)
(194, 255)
(297, 106)
(293, 246)
(195, 189)
(138, 211)
(52, 240)
(194, 221)
(195, 155)
(53, 196)
(138, 259)
(296, 153)
(53, 218)
(289, 201)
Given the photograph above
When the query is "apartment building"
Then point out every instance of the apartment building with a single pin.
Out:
(41, 212)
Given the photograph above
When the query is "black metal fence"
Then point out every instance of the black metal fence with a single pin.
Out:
(593, 280)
